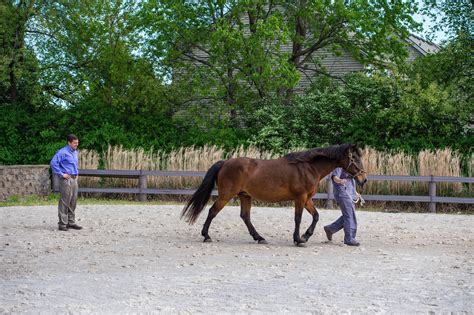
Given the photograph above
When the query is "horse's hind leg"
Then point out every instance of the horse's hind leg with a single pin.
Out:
(213, 211)
(245, 205)
(299, 204)
(314, 213)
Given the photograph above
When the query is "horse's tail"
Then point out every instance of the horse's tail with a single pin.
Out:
(202, 195)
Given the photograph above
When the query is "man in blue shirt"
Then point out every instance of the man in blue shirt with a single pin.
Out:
(65, 166)
(346, 195)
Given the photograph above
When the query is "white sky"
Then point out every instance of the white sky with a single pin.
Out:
(439, 36)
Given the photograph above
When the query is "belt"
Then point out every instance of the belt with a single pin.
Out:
(73, 176)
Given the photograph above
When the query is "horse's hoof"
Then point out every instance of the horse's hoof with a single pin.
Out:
(207, 240)
(262, 242)
(300, 243)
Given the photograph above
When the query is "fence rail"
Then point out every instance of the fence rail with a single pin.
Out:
(142, 190)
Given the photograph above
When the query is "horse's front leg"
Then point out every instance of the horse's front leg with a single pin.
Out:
(298, 214)
(314, 213)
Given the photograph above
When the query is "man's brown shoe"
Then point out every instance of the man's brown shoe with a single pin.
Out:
(328, 233)
(62, 227)
(74, 226)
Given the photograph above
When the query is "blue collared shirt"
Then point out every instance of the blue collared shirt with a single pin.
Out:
(65, 161)
(348, 188)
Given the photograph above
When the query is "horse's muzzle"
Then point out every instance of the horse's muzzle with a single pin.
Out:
(362, 182)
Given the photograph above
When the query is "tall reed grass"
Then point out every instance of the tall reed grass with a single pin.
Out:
(88, 160)
(439, 163)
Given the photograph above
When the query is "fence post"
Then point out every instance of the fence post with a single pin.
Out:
(329, 190)
(55, 181)
(142, 185)
(432, 193)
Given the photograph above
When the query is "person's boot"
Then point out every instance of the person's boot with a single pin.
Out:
(352, 243)
(328, 233)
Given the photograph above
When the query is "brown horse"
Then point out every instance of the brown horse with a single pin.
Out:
(294, 176)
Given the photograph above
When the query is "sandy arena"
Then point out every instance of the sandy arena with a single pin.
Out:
(142, 258)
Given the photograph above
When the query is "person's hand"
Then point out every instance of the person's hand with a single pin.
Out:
(339, 181)
(66, 176)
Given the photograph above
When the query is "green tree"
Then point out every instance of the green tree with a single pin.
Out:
(87, 47)
(451, 70)
(453, 66)
(372, 31)
(453, 17)
(407, 114)
(15, 59)
(220, 53)
(226, 53)
(26, 117)
(93, 64)
(313, 120)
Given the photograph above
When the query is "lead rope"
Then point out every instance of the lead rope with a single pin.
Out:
(359, 199)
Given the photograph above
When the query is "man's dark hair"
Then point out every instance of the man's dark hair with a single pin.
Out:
(71, 138)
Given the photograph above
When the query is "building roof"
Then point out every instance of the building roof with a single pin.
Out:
(424, 47)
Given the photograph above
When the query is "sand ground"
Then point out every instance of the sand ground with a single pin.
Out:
(142, 258)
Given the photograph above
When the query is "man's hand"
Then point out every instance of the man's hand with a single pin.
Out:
(340, 181)
(66, 176)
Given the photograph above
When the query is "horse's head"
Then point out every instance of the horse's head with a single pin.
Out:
(352, 164)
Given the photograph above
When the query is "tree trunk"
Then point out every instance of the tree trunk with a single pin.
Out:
(22, 14)
(295, 57)
(230, 94)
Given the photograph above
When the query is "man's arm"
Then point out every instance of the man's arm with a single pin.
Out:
(55, 164)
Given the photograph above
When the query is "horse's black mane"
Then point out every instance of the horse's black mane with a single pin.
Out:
(335, 152)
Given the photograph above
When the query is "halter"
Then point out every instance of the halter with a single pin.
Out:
(359, 170)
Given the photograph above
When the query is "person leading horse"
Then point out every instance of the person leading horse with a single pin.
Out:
(295, 176)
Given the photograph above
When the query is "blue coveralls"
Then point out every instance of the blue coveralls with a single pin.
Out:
(345, 196)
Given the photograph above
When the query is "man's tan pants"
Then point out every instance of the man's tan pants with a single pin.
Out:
(67, 201)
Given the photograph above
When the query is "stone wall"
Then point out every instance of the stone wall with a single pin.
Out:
(24, 180)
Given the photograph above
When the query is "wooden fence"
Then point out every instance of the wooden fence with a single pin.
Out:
(142, 190)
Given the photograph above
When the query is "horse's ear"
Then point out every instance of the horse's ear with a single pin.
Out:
(357, 147)
(348, 147)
